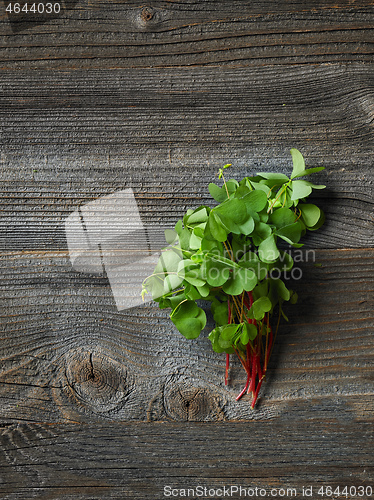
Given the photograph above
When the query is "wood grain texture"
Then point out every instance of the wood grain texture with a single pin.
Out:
(328, 106)
(156, 96)
(126, 34)
(137, 460)
(69, 355)
(75, 137)
(40, 192)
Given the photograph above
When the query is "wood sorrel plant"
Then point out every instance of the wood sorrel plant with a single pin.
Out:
(228, 255)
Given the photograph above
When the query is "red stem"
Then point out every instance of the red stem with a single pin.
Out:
(269, 346)
(227, 368)
(252, 364)
(245, 388)
(256, 393)
(259, 368)
(252, 386)
(249, 358)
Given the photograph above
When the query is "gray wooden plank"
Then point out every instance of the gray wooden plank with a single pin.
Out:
(33, 212)
(93, 34)
(76, 136)
(117, 94)
(327, 105)
(67, 354)
(138, 460)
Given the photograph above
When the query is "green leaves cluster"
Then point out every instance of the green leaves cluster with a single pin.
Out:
(223, 254)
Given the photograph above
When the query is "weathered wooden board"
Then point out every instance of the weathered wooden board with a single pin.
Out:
(67, 354)
(330, 106)
(77, 136)
(136, 461)
(108, 34)
(157, 96)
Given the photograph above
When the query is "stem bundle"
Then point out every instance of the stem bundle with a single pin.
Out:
(258, 350)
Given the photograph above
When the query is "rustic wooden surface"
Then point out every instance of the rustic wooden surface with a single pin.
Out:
(97, 403)
(138, 461)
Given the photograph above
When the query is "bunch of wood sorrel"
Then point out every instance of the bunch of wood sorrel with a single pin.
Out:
(229, 255)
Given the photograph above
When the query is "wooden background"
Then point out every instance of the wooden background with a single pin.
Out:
(156, 96)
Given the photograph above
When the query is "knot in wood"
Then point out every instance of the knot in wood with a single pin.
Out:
(147, 14)
(148, 19)
(187, 403)
(96, 380)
